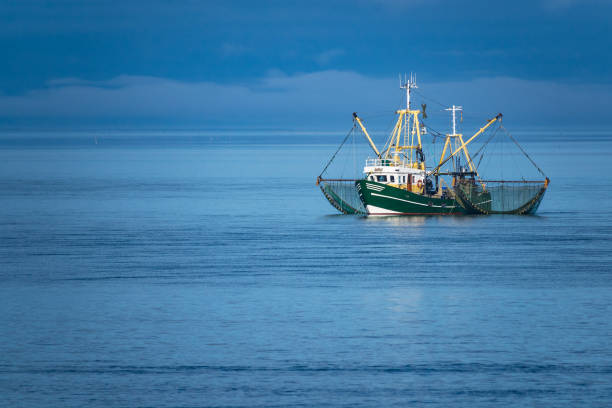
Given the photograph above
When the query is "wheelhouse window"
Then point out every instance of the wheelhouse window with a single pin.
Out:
(381, 179)
(392, 179)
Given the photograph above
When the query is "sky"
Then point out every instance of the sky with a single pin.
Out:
(300, 65)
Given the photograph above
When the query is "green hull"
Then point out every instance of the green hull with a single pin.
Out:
(381, 199)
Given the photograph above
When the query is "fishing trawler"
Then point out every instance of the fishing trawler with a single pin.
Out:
(397, 180)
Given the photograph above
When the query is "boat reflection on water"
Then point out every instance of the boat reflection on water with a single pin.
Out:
(422, 220)
(398, 220)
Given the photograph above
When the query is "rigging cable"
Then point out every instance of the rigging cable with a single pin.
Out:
(436, 133)
(339, 147)
(524, 152)
(431, 99)
(484, 146)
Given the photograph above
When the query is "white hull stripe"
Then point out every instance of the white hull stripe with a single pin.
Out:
(374, 187)
(412, 202)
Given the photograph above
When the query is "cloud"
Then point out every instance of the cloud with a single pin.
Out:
(307, 100)
(326, 57)
(276, 98)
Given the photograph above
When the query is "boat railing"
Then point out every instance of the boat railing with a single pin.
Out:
(379, 162)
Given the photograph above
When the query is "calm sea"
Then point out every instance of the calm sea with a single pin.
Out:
(192, 269)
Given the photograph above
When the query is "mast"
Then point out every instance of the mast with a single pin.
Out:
(410, 127)
(463, 145)
(454, 135)
(408, 84)
(454, 109)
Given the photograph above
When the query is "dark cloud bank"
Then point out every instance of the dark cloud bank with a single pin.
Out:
(313, 100)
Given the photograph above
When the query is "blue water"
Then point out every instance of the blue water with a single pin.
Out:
(191, 269)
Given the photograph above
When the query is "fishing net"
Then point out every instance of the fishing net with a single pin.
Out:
(500, 197)
(510, 191)
(342, 194)
(338, 178)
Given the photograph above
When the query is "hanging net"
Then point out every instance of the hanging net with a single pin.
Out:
(338, 178)
(500, 197)
(507, 190)
(342, 194)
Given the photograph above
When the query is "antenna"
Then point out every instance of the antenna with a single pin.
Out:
(408, 84)
(454, 109)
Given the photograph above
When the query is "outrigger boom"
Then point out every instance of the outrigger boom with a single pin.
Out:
(443, 160)
(365, 132)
